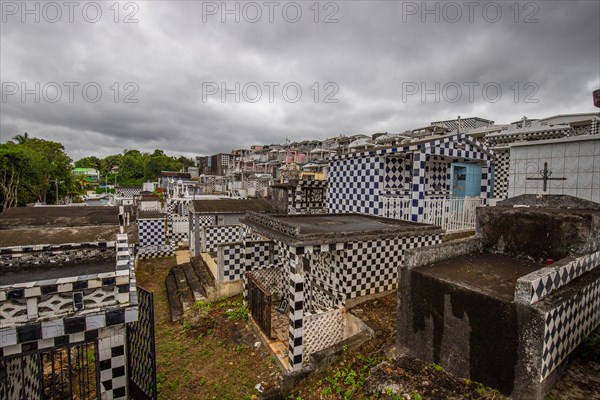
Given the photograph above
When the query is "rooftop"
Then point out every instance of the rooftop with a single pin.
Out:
(58, 235)
(332, 228)
(54, 216)
(231, 206)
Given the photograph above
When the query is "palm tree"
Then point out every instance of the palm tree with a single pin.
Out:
(20, 139)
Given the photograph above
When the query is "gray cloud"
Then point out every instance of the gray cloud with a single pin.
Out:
(371, 54)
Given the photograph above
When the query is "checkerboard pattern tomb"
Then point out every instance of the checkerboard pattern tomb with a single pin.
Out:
(568, 324)
(258, 253)
(554, 279)
(231, 259)
(501, 167)
(357, 181)
(372, 267)
(354, 185)
(212, 236)
(296, 329)
(129, 192)
(177, 207)
(111, 357)
(308, 197)
(152, 232)
(148, 252)
(205, 220)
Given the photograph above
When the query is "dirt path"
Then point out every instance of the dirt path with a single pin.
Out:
(207, 357)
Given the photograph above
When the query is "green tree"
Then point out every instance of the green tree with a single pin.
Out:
(89, 162)
(20, 139)
(56, 169)
(20, 175)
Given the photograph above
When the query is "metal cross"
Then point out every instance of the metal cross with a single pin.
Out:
(545, 173)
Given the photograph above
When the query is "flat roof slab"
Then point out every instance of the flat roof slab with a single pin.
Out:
(44, 272)
(331, 228)
(59, 216)
(494, 275)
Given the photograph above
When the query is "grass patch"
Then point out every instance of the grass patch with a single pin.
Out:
(209, 355)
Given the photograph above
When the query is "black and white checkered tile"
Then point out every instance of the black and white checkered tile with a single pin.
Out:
(501, 168)
(258, 253)
(568, 324)
(296, 329)
(152, 232)
(147, 252)
(357, 180)
(398, 173)
(354, 185)
(217, 234)
(308, 197)
(129, 191)
(544, 285)
(437, 175)
(232, 258)
(372, 267)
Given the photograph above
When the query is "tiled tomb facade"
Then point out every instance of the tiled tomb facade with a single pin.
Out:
(64, 309)
(300, 197)
(217, 233)
(491, 309)
(322, 263)
(370, 182)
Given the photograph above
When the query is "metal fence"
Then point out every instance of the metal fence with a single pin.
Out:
(141, 352)
(452, 214)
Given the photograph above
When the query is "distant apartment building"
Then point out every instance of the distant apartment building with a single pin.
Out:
(217, 164)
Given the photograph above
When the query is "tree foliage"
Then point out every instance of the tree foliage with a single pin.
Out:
(31, 170)
(132, 167)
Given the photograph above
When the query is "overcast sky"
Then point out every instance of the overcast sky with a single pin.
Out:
(360, 67)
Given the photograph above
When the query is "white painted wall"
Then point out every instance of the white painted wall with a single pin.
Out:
(576, 158)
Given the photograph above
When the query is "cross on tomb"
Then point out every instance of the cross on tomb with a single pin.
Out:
(545, 173)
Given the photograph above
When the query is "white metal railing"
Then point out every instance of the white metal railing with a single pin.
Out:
(180, 225)
(397, 208)
(453, 214)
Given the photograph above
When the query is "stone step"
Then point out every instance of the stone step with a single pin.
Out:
(207, 280)
(193, 282)
(183, 289)
(174, 302)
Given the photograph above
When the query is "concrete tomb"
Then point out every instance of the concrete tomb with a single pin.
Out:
(507, 307)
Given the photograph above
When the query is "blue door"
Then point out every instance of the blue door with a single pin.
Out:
(459, 178)
(466, 180)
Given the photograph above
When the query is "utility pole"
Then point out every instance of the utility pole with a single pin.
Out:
(56, 188)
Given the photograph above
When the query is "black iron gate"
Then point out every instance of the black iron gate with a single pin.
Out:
(259, 302)
(141, 352)
(59, 373)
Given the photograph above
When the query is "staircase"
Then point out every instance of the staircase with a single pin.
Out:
(186, 284)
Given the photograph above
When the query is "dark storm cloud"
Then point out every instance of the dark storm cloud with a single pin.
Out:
(371, 57)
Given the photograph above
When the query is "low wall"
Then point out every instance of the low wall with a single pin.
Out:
(62, 254)
(538, 233)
